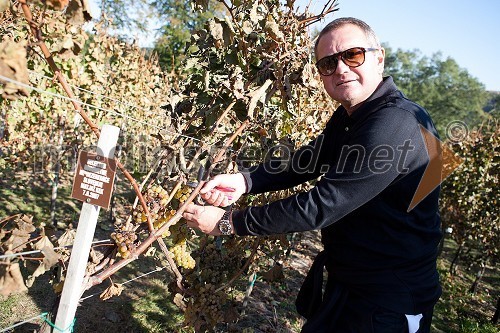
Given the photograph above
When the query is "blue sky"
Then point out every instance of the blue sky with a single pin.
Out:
(467, 31)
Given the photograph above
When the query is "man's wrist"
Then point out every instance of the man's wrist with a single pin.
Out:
(231, 222)
(225, 225)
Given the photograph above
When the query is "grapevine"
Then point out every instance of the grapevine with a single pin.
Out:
(262, 68)
(207, 304)
(182, 256)
(124, 241)
(156, 199)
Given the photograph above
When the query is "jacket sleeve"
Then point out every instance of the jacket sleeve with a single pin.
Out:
(385, 146)
(294, 168)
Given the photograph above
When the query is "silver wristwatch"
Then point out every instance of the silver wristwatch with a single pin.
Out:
(224, 224)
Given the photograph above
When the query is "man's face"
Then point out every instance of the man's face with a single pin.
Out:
(351, 86)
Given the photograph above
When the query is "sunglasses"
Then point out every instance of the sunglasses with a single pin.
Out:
(353, 57)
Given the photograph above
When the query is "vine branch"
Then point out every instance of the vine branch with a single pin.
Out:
(97, 279)
(330, 7)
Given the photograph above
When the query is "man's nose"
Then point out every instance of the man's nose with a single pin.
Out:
(341, 67)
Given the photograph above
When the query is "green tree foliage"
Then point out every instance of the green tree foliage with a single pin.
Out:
(126, 15)
(445, 89)
(493, 105)
(174, 20)
(179, 20)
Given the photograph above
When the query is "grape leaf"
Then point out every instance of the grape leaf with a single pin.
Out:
(216, 30)
(256, 95)
(274, 274)
(50, 259)
(179, 301)
(20, 235)
(114, 289)
(43, 243)
(57, 4)
(11, 280)
(273, 29)
(78, 12)
(14, 66)
(67, 238)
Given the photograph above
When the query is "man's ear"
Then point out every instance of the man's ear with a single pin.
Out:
(381, 59)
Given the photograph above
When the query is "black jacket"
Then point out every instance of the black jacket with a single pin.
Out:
(370, 164)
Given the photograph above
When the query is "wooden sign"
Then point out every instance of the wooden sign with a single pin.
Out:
(94, 177)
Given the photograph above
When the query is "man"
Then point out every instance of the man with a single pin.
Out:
(380, 255)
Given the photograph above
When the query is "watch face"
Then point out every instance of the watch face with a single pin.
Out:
(225, 227)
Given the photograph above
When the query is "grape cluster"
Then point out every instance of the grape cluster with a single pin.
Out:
(215, 266)
(204, 306)
(124, 241)
(208, 308)
(182, 256)
(180, 232)
(183, 194)
(162, 220)
(156, 198)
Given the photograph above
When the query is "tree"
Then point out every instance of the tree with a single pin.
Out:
(175, 21)
(120, 17)
(493, 105)
(445, 89)
(180, 20)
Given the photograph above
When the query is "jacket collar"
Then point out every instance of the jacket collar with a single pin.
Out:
(386, 88)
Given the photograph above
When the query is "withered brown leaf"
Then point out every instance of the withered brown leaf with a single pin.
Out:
(67, 238)
(179, 301)
(50, 259)
(114, 289)
(11, 280)
(43, 243)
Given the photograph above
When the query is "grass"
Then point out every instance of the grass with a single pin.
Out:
(458, 310)
(154, 312)
(19, 307)
(7, 306)
(27, 194)
(145, 305)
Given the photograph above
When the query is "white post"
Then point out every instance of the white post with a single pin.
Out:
(73, 284)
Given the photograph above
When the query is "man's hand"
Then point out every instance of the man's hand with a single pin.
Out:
(204, 218)
(223, 190)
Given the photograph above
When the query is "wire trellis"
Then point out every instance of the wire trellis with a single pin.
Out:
(43, 91)
(19, 254)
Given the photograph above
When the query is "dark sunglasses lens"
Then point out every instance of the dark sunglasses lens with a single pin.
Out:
(354, 57)
(327, 65)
